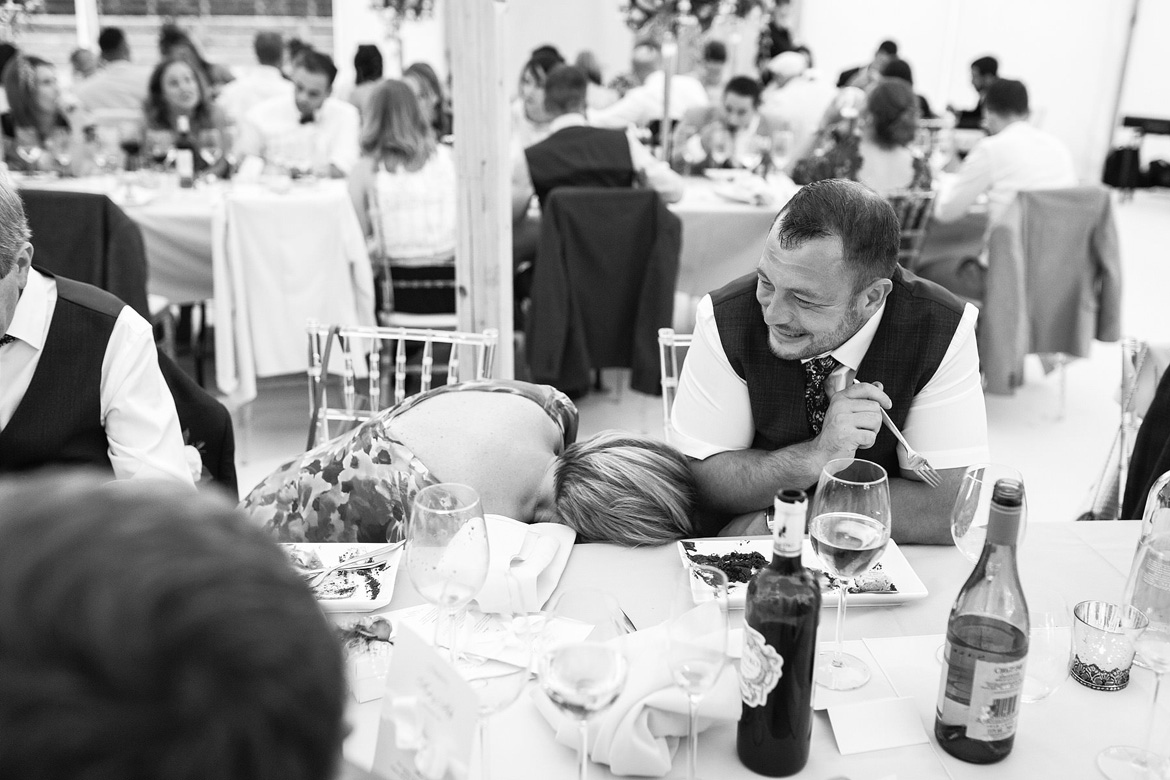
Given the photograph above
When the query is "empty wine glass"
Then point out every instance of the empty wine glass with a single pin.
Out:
(973, 506)
(720, 146)
(697, 642)
(1049, 641)
(782, 142)
(583, 678)
(754, 150)
(59, 145)
(1124, 762)
(849, 530)
(211, 147)
(447, 553)
(28, 147)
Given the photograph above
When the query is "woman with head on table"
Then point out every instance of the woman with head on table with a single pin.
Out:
(176, 89)
(514, 442)
(42, 130)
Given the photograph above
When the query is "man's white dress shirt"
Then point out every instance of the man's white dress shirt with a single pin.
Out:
(273, 131)
(641, 105)
(798, 106)
(947, 422)
(261, 83)
(118, 86)
(654, 173)
(1019, 157)
(137, 409)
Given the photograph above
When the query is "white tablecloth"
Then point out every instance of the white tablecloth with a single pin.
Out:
(1057, 737)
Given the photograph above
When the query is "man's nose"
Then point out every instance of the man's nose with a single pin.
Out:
(776, 312)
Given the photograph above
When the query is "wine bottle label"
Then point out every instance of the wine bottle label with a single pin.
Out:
(759, 669)
(983, 696)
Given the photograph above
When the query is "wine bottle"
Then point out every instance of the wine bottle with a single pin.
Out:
(987, 644)
(185, 152)
(779, 645)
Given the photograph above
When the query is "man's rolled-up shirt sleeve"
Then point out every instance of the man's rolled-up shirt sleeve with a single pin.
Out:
(712, 412)
(947, 422)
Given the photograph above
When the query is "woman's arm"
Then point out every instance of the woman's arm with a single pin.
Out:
(361, 179)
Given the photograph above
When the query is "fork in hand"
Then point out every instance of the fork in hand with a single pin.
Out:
(918, 464)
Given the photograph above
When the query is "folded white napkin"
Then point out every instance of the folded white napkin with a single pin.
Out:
(639, 733)
(540, 550)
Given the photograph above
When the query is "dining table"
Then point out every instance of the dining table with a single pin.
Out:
(1058, 736)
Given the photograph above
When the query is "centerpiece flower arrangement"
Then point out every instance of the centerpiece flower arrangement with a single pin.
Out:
(647, 15)
(14, 16)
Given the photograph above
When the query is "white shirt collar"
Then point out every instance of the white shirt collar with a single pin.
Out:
(852, 352)
(29, 319)
(567, 120)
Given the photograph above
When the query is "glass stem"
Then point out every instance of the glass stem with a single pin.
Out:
(485, 766)
(692, 737)
(840, 648)
(584, 728)
(1153, 714)
(448, 621)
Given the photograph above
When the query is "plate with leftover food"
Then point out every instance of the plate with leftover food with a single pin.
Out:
(890, 581)
(363, 590)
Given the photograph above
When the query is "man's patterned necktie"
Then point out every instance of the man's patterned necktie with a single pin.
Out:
(6, 339)
(816, 403)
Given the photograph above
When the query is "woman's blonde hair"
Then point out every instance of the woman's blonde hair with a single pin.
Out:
(626, 489)
(394, 129)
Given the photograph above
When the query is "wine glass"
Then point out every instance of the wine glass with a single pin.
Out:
(754, 151)
(849, 530)
(160, 147)
(447, 553)
(697, 642)
(28, 147)
(1124, 762)
(59, 145)
(720, 146)
(973, 506)
(211, 147)
(585, 677)
(782, 143)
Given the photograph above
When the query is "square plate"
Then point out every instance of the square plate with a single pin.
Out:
(907, 586)
(375, 587)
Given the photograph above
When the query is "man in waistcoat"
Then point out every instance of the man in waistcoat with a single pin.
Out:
(79, 376)
(829, 304)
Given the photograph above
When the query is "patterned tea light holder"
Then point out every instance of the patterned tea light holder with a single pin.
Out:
(1103, 644)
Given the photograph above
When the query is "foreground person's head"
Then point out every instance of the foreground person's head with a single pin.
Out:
(626, 489)
(151, 635)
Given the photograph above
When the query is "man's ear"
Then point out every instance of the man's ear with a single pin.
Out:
(874, 296)
(24, 257)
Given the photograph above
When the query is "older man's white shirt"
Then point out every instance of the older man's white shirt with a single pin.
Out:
(261, 83)
(273, 131)
(642, 105)
(137, 409)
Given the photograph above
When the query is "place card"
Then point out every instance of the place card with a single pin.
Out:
(428, 718)
(876, 725)
(878, 686)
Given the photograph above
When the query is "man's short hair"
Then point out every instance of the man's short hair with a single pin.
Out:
(1006, 97)
(888, 47)
(744, 86)
(836, 208)
(269, 48)
(111, 42)
(14, 232)
(152, 633)
(564, 90)
(714, 51)
(316, 62)
(986, 66)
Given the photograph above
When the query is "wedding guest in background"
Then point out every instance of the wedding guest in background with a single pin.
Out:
(712, 69)
(403, 189)
(984, 73)
(643, 104)
(727, 132)
(309, 128)
(42, 131)
(796, 100)
(598, 95)
(615, 487)
(259, 83)
(864, 75)
(120, 85)
(177, 90)
(367, 67)
(775, 39)
(174, 42)
(81, 383)
(434, 99)
(529, 119)
(877, 151)
(158, 636)
(7, 52)
(900, 69)
(84, 63)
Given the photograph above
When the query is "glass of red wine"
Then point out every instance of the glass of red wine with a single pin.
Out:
(849, 529)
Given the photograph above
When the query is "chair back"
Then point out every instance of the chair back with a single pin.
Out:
(368, 353)
(913, 208)
(672, 349)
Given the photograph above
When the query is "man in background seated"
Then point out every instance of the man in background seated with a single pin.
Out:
(828, 303)
(643, 105)
(984, 73)
(712, 68)
(862, 76)
(1015, 156)
(735, 124)
(119, 85)
(156, 635)
(309, 130)
(79, 377)
(260, 83)
(84, 64)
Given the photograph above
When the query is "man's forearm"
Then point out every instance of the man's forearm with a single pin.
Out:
(745, 480)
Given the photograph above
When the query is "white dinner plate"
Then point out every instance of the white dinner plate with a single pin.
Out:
(907, 586)
(375, 587)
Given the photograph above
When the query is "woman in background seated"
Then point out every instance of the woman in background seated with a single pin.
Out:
(513, 442)
(877, 151)
(41, 130)
(177, 89)
(403, 188)
(436, 104)
(175, 43)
